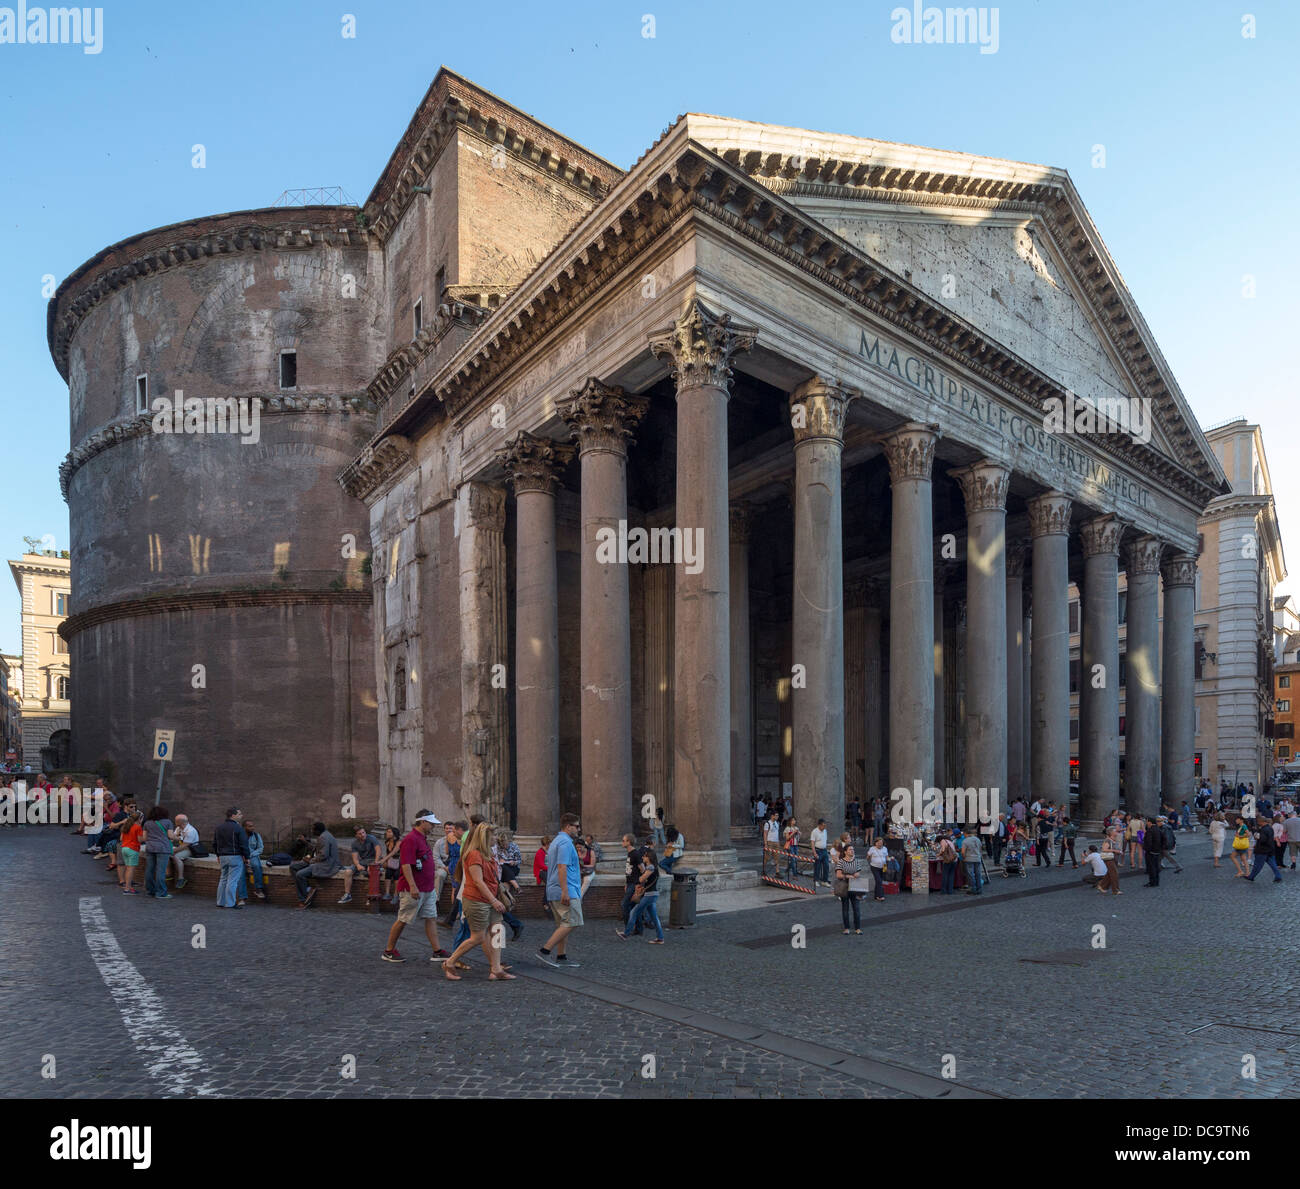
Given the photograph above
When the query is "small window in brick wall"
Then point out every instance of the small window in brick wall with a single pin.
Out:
(142, 394)
(399, 688)
(288, 369)
(417, 317)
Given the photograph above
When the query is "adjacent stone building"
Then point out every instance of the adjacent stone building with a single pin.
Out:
(768, 462)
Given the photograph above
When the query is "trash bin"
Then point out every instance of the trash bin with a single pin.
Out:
(681, 911)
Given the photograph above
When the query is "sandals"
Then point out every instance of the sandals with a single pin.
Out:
(449, 974)
(495, 977)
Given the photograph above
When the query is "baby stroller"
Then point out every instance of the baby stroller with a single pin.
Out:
(1013, 862)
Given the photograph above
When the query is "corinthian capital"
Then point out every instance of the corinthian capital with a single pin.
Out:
(984, 484)
(910, 451)
(1144, 556)
(699, 346)
(1101, 534)
(817, 410)
(1049, 514)
(602, 418)
(533, 463)
(1179, 570)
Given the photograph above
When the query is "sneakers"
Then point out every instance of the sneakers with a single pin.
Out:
(566, 963)
(346, 899)
(129, 892)
(311, 895)
(392, 956)
(438, 955)
(656, 941)
(549, 959)
(620, 934)
(180, 883)
(165, 896)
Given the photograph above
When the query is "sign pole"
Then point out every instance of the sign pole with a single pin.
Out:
(162, 764)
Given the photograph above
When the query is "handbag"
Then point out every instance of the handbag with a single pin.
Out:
(1239, 843)
(506, 895)
(841, 888)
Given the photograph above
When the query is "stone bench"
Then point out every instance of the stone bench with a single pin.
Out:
(202, 876)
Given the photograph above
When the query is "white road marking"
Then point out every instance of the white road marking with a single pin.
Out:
(169, 1057)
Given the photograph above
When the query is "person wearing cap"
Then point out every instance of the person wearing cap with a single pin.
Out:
(416, 898)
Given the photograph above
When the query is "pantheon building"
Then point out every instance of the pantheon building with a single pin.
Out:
(767, 463)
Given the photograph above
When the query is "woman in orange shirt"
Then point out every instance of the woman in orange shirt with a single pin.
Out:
(477, 875)
(131, 846)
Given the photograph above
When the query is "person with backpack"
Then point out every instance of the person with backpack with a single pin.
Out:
(1043, 842)
(1166, 827)
(947, 864)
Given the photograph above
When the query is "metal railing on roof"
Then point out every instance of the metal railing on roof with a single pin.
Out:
(315, 196)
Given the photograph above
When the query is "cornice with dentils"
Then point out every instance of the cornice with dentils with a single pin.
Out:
(680, 174)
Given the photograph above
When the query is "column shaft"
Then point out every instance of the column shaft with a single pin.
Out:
(984, 486)
(1099, 672)
(910, 453)
(742, 740)
(1049, 516)
(1142, 690)
(1015, 619)
(1178, 707)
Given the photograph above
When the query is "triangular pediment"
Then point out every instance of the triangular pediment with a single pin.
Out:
(1007, 246)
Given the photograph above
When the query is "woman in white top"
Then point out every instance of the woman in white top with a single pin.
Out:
(878, 856)
(1218, 832)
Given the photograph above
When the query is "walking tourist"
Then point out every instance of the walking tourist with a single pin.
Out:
(1240, 847)
(539, 861)
(509, 860)
(564, 893)
(482, 905)
(790, 844)
(1153, 846)
(230, 845)
(1292, 829)
(1134, 831)
(1043, 842)
(416, 898)
(1265, 852)
(157, 852)
(646, 905)
(1166, 827)
(323, 863)
(1218, 833)
(631, 878)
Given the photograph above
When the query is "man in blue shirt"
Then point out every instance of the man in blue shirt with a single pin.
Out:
(563, 892)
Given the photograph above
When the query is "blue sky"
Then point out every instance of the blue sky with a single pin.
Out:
(1198, 123)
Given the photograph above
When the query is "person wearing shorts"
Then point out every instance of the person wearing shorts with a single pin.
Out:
(416, 898)
(563, 892)
(132, 843)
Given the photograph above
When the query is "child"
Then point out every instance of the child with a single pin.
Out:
(131, 846)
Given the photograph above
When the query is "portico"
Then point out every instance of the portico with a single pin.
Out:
(861, 451)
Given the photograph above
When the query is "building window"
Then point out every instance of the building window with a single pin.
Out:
(1074, 676)
(60, 602)
(1196, 729)
(64, 689)
(1284, 705)
(1123, 669)
(1123, 725)
(1074, 616)
(60, 644)
(288, 369)
(1198, 663)
(1123, 607)
(399, 688)
(1284, 730)
(417, 317)
(1284, 681)
(1074, 728)
(440, 284)
(142, 394)
(1284, 753)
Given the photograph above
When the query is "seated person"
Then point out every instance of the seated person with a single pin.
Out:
(364, 855)
(323, 863)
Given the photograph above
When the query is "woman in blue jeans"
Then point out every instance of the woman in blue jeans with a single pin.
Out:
(256, 845)
(846, 868)
(648, 905)
(157, 852)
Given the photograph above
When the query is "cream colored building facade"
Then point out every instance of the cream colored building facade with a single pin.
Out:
(44, 582)
(1240, 562)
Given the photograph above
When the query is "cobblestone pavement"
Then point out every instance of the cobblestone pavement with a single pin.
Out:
(933, 998)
